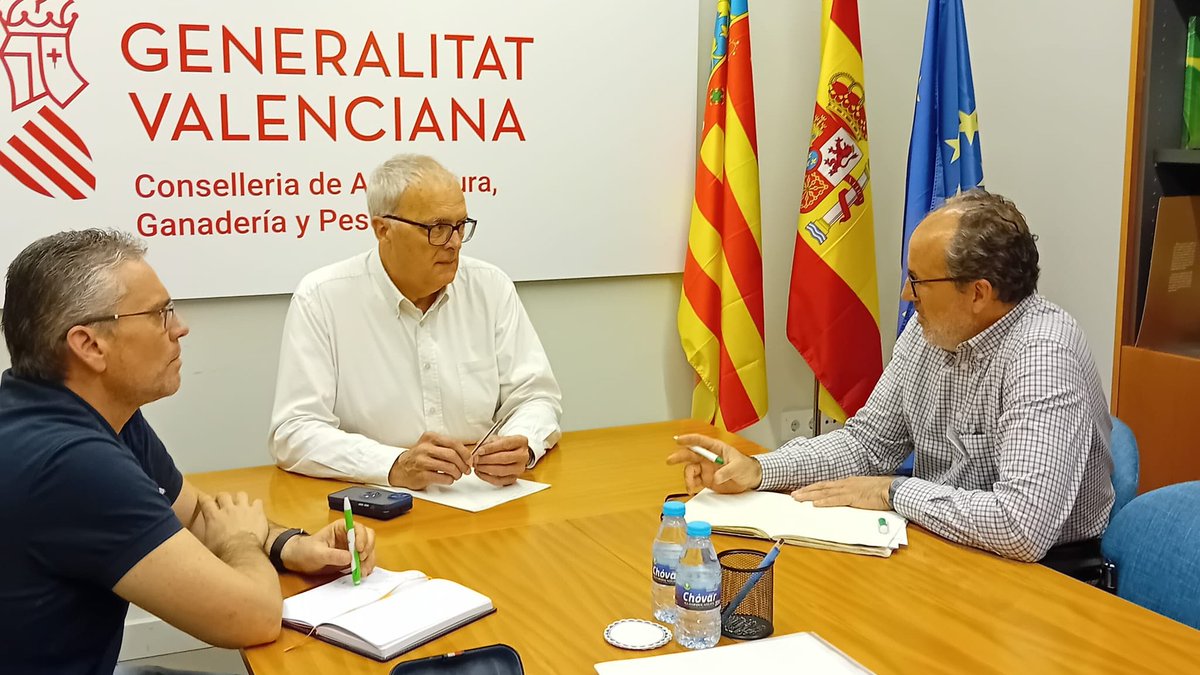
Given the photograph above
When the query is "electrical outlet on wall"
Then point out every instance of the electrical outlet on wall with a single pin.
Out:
(800, 423)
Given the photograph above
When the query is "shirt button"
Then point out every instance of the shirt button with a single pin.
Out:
(426, 367)
(429, 411)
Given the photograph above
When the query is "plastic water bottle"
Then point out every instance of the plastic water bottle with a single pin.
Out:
(668, 545)
(698, 590)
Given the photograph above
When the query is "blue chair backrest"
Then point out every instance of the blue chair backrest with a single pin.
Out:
(1125, 466)
(1155, 544)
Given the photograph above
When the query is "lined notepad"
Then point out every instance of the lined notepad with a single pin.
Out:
(771, 515)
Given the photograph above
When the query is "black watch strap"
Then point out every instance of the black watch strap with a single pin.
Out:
(277, 547)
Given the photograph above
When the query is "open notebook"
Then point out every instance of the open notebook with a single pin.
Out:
(771, 515)
(387, 614)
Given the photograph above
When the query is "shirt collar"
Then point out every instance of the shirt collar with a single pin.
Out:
(986, 342)
(46, 393)
(392, 295)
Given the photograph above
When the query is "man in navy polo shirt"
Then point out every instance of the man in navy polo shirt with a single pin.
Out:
(94, 512)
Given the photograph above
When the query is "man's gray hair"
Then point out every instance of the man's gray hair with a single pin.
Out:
(56, 283)
(389, 181)
(992, 242)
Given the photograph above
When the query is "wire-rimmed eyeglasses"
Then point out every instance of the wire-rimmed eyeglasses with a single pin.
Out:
(167, 312)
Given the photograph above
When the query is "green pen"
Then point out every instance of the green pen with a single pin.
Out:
(355, 565)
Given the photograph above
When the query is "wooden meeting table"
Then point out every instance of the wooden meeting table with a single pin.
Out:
(562, 564)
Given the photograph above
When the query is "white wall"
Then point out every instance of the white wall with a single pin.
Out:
(1052, 110)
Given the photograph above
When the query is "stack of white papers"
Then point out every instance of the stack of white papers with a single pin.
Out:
(771, 515)
(796, 653)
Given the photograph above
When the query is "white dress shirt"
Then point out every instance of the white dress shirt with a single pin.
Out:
(363, 372)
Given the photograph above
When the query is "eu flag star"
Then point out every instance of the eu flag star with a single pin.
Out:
(968, 124)
(954, 143)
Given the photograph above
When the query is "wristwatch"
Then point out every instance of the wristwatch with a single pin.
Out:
(276, 554)
(892, 490)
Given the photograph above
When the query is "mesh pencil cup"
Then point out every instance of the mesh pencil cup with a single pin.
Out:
(752, 619)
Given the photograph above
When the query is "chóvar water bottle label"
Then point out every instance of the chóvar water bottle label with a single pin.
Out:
(664, 574)
(696, 598)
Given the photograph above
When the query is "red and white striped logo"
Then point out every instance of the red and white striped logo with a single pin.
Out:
(45, 154)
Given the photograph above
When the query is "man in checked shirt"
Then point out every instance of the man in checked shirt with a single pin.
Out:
(993, 387)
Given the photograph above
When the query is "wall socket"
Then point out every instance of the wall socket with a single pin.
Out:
(800, 423)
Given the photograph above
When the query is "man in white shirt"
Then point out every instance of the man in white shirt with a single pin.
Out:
(395, 360)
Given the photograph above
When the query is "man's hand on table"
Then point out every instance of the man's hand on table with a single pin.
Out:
(434, 460)
(740, 473)
(501, 460)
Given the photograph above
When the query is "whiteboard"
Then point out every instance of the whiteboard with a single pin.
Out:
(230, 135)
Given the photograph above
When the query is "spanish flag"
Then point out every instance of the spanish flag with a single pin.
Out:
(721, 309)
(833, 303)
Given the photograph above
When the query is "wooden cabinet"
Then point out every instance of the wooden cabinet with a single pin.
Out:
(1156, 393)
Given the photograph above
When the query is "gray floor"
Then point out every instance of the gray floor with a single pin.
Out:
(210, 660)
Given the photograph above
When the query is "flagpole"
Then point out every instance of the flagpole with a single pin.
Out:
(816, 420)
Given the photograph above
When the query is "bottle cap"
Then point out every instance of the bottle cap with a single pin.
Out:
(674, 509)
(699, 528)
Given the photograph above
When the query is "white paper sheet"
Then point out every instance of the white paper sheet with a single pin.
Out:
(471, 493)
(805, 652)
(324, 603)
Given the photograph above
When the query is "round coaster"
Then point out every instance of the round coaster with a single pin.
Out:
(636, 634)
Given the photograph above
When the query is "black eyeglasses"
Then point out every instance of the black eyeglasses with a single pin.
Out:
(440, 233)
(912, 282)
(167, 312)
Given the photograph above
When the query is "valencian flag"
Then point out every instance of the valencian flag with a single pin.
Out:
(944, 156)
(833, 304)
(721, 309)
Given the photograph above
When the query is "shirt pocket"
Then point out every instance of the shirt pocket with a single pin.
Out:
(972, 446)
(977, 446)
(480, 382)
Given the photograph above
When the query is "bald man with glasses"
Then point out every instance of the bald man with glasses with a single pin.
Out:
(395, 361)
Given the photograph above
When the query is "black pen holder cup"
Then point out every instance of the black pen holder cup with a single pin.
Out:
(752, 620)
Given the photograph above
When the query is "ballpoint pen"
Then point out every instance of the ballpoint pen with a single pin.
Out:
(706, 454)
(355, 565)
(488, 435)
(767, 561)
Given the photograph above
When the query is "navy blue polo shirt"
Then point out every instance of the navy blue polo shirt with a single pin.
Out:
(79, 506)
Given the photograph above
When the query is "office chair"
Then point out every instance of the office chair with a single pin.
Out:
(1152, 544)
(1125, 466)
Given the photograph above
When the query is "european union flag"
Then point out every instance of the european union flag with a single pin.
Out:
(943, 153)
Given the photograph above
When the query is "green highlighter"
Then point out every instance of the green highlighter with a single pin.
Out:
(355, 565)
